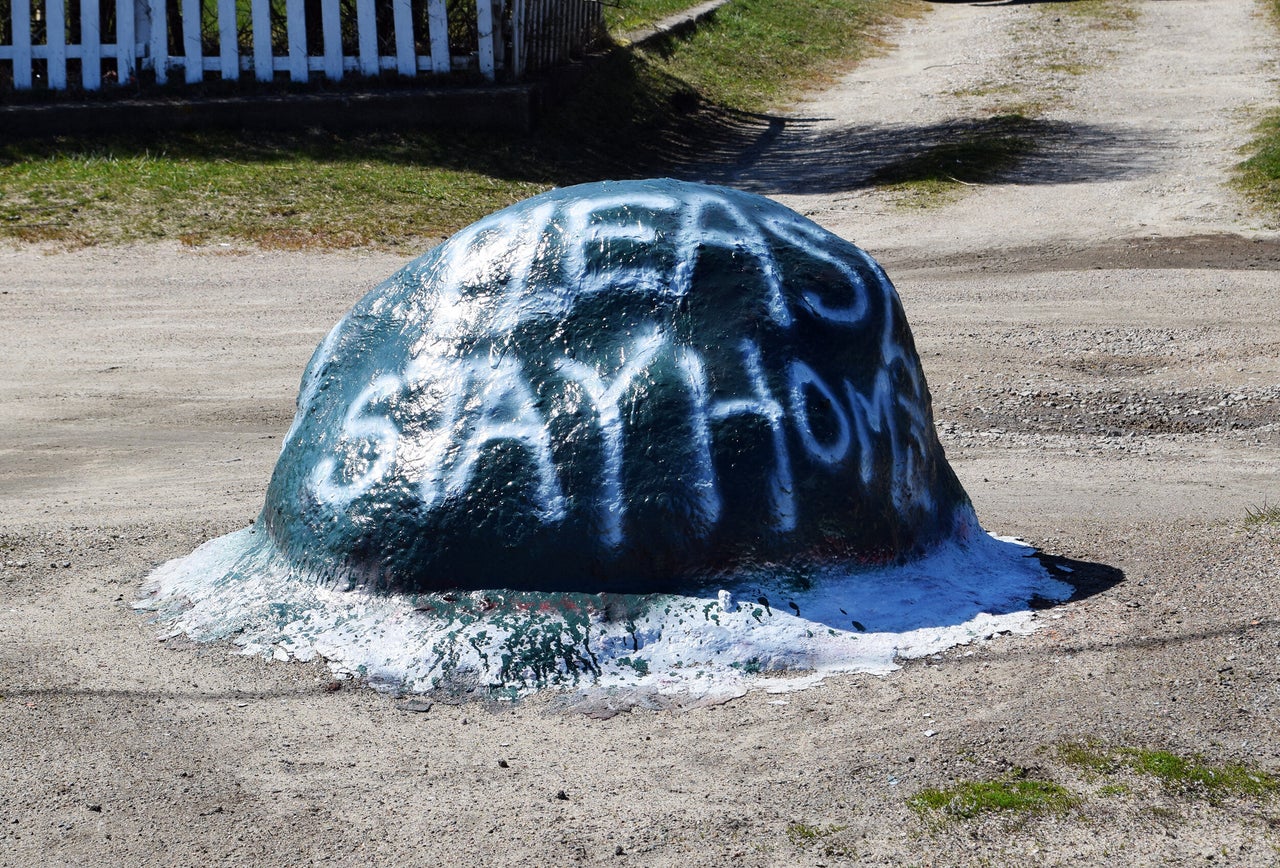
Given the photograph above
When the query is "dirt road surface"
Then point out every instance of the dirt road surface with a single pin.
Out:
(1101, 332)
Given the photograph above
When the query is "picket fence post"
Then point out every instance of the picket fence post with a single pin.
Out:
(438, 33)
(126, 40)
(367, 39)
(21, 18)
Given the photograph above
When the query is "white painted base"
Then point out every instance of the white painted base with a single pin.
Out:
(723, 641)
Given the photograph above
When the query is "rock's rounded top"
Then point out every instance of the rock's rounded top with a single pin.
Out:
(626, 386)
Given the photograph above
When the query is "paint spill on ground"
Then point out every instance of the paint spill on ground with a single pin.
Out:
(722, 641)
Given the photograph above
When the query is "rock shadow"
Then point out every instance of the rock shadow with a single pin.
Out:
(1087, 578)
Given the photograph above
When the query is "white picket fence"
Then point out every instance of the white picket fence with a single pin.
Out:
(140, 40)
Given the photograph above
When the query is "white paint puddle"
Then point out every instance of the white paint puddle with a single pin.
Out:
(749, 634)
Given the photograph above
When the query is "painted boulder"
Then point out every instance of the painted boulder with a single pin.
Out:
(623, 386)
(644, 432)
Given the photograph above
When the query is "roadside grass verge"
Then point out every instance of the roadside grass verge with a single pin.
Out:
(633, 115)
(1189, 775)
(277, 190)
(1258, 177)
(622, 16)
(1013, 794)
(1106, 778)
(755, 54)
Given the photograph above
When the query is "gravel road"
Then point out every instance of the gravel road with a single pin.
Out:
(1101, 333)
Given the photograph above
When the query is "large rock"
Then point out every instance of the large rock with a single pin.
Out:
(627, 386)
(647, 438)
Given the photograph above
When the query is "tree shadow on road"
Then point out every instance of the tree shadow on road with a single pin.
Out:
(773, 155)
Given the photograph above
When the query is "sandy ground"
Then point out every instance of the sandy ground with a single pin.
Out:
(1101, 331)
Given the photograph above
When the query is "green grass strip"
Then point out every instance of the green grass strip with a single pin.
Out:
(1183, 773)
(1258, 177)
(758, 53)
(277, 190)
(627, 15)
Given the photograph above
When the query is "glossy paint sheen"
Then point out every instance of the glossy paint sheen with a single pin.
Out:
(627, 386)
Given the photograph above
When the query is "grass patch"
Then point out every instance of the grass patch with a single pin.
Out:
(635, 113)
(622, 16)
(278, 190)
(756, 54)
(1173, 771)
(1266, 514)
(802, 834)
(1018, 795)
(1258, 177)
(974, 155)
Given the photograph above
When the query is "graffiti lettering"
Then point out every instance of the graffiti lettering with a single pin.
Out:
(759, 403)
(607, 399)
(501, 250)
(481, 281)
(380, 436)
(508, 412)
(497, 404)
(802, 376)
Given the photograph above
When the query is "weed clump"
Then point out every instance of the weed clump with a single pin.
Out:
(1266, 514)
(802, 833)
(1010, 794)
(1192, 775)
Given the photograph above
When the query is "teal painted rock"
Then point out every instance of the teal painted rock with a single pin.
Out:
(627, 386)
(628, 434)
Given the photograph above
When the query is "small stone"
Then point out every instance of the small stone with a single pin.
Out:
(502, 764)
(618, 851)
(333, 685)
(96, 808)
(725, 599)
(562, 796)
